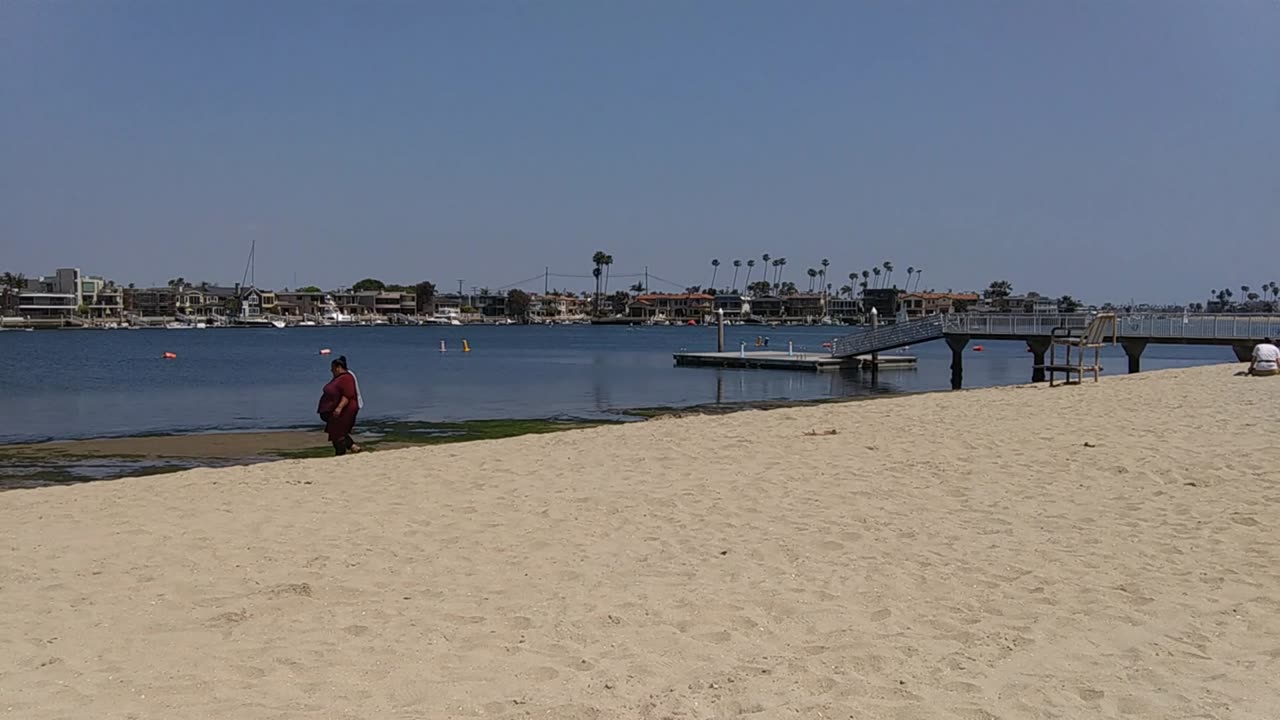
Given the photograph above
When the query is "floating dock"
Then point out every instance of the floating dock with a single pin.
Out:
(774, 360)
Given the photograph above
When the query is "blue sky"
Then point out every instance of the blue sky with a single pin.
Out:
(1110, 149)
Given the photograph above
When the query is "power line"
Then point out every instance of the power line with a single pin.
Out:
(533, 279)
(668, 282)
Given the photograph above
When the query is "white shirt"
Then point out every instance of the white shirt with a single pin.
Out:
(1266, 356)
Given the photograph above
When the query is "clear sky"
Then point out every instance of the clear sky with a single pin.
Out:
(1113, 149)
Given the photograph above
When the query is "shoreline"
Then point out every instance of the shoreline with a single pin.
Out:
(78, 460)
(61, 462)
(71, 461)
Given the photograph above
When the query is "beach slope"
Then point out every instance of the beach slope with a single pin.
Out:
(1107, 550)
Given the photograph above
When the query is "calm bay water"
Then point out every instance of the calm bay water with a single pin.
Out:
(77, 384)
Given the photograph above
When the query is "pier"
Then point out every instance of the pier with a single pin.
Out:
(774, 360)
(1134, 333)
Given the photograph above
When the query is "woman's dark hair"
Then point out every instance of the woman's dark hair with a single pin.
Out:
(340, 361)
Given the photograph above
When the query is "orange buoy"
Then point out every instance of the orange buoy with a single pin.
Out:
(325, 351)
(978, 348)
(170, 356)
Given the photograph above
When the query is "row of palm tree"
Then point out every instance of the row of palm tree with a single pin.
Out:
(871, 279)
(1226, 296)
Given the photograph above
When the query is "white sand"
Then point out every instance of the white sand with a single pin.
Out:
(959, 555)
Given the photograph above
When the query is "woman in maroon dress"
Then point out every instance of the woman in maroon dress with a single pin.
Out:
(339, 405)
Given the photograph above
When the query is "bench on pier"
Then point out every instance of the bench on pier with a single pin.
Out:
(1091, 337)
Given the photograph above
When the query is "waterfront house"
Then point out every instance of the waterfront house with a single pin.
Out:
(883, 300)
(47, 306)
(53, 298)
(807, 306)
(925, 304)
(844, 310)
(1032, 302)
(300, 304)
(556, 306)
(734, 306)
(684, 306)
(151, 302)
(767, 307)
(385, 303)
(100, 299)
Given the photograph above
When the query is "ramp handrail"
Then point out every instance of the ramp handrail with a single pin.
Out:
(888, 337)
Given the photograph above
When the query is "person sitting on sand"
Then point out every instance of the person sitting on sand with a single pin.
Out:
(340, 402)
(1266, 359)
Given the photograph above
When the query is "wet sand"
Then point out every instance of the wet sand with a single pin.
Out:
(158, 447)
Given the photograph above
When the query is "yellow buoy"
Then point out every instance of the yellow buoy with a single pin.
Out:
(465, 346)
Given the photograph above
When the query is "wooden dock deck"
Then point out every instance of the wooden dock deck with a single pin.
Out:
(781, 360)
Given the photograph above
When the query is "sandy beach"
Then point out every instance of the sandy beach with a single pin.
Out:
(1105, 550)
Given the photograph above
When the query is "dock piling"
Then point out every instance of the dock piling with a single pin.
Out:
(1038, 347)
(1133, 349)
(875, 357)
(957, 343)
(720, 330)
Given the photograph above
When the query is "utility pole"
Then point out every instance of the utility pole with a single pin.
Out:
(459, 290)
(646, 278)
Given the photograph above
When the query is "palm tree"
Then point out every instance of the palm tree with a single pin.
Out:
(888, 270)
(1244, 291)
(876, 271)
(774, 263)
(750, 264)
(782, 263)
(736, 265)
(866, 278)
(911, 270)
(598, 260)
(765, 258)
(825, 264)
(608, 262)
(715, 268)
(813, 277)
(919, 273)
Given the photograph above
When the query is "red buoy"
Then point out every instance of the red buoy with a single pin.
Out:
(978, 348)
(170, 356)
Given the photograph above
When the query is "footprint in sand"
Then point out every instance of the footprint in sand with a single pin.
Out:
(542, 673)
(881, 615)
(1090, 695)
